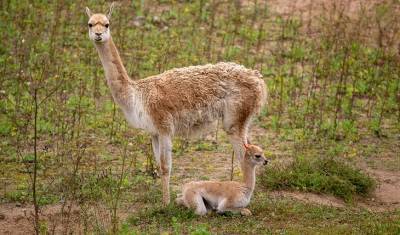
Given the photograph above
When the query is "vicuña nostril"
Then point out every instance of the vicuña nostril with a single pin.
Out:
(98, 34)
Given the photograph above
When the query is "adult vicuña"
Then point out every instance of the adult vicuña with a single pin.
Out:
(182, 101)
(227, 195)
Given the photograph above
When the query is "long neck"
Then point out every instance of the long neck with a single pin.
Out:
(249, 176)
(116, 75)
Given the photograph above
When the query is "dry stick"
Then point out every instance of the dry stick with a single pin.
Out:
(386, 96)
(398, 100)
(222, 45)
(35, 204)
(281, 80)
(261, 28)
(236, 20)
(233, 155)
(297, 100)
(341, 86)
(74, 175)
(398, 87)
(255, 13)
(292, 84)
(199, 19)
(114, 219)
(216, 132)
(54, 30)
(112, 123)
(310, 91)
(324, 89)
(352, 99)
(214, 6)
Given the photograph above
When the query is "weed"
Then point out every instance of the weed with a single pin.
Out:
(320, 175)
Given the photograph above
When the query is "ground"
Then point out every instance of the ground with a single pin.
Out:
(206, 160)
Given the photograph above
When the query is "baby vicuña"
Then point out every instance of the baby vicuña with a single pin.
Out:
(227, 195)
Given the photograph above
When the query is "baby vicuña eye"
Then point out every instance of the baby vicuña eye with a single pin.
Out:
(107, 25)
(90, 25)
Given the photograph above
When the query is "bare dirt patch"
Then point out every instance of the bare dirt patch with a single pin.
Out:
(14, 220)
(18, 219)
(386, 196)
(309, 8)
(311, 198)
(387, 193)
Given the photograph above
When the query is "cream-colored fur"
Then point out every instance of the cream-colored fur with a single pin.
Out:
(227, 195)
(184, 101)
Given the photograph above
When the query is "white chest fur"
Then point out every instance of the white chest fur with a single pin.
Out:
(137, 115)
(243, 201)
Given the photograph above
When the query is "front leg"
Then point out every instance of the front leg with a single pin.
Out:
(224, 206)
(156, 148)
(245, 212)
(165, 150)
(242, 211)
(156, 151)
(221, 207)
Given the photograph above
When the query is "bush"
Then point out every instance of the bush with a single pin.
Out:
(320, 175)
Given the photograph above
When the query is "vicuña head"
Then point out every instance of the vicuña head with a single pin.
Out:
(254, 156)
(99, 25)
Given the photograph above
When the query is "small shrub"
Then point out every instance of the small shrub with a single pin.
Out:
(320, 175)
(16, 196)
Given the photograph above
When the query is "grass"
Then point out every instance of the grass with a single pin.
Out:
(320, 175)
(270, 216)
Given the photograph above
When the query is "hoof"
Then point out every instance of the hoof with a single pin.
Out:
(245, 212)
(200, 212)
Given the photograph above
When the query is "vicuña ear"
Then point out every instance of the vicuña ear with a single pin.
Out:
(110, 11)
(88, 12)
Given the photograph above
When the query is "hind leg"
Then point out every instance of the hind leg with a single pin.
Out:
(179, 201)
(165, 149)
(195, 201)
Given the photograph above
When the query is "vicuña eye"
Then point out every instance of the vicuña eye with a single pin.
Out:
(90, 25)
(107, 25)
(257, 156)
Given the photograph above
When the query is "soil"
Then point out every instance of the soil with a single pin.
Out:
(312, 198)
(387, 193)
(18, 218)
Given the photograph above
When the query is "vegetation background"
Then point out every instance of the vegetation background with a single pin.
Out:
(70, 164)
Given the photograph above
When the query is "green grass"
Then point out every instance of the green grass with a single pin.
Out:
(320, 175)
(270, 216)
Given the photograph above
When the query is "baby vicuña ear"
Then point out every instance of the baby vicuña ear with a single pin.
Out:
(88, 12)
(110, 10)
